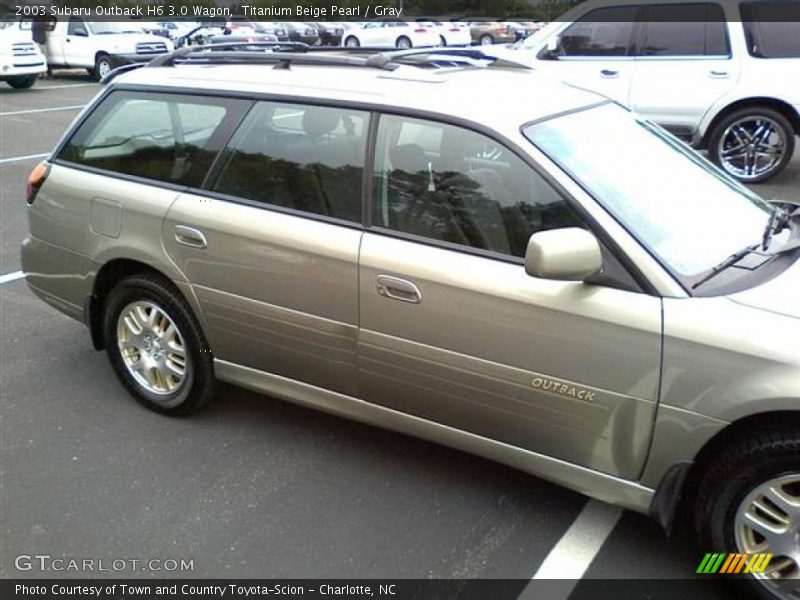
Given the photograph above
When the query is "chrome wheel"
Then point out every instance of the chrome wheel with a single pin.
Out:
(152, 348)
(752, 147)
(768, 522)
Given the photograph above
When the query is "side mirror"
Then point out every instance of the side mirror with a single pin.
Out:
(80, 32)
(569, 254)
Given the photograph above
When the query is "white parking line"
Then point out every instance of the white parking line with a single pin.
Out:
(61, 87)
(41, 110)
(11, 277)
(571, 556)
(26, 157)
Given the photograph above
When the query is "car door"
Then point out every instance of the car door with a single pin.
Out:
(594, 52)
(270, 245)
(77, 45)
(373, 34)
(454, 330)
(683, 64)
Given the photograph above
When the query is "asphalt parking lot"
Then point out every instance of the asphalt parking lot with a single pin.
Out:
(254, 487)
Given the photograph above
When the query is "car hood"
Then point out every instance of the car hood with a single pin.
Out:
(780, 295)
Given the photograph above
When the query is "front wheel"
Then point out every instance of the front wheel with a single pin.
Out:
(156, 346)
(748, 503)
(403, 43)
(103, 65)
(21, 82)
(352, 42)
(486, 40)
(752, 144)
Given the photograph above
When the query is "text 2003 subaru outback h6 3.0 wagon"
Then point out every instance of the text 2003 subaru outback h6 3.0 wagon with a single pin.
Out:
(486, 274)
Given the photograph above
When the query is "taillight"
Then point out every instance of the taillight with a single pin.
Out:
(35, 180)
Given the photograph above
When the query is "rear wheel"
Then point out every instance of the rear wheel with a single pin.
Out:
(403, 43)
(486, 40)
(352, 42)
(442, 41)
(752, 144)
(748, 502)
(156, 346)
(22, 82)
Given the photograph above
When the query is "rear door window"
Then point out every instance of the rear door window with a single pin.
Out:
(771, 28)
(685, 30)
(304, 158)
(164, 137)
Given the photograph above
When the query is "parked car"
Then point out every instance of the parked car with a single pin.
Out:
(221, 34)
(303, 32)
(722, 76)
(508, 284)
(330, 33)
(176, 29)
(100, 46)
(21, 61)
(276, 29)
(450, 33)
(486, 33)
(391, 32)
(155, 29)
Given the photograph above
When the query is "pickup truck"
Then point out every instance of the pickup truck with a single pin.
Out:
(21, 61)
(99, 47)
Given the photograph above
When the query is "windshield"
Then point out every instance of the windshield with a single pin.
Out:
(109, 27)
(676, 203)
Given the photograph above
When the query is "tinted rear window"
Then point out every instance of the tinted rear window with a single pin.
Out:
(685, 30)
(164, 137)
(772, 29)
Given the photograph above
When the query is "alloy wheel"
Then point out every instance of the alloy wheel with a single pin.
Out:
(768, 522)
(751, 147)
(152, 348)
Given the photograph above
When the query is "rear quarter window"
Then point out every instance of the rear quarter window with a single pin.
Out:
(772, 28)
(164, 137)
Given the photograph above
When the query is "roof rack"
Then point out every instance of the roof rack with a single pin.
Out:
(284, 54)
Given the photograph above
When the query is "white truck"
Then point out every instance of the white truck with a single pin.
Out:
(21, 61)
(100, 47)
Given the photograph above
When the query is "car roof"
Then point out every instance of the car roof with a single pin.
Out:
(498, 97)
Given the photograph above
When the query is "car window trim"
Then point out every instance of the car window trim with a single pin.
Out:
(644, 284)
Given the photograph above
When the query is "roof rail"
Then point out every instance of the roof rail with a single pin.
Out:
(284, 54)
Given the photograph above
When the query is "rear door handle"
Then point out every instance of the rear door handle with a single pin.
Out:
(398, 289)
(719, 74)
(609, 74)
(189, 236)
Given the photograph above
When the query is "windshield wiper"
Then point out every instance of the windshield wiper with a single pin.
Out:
(726, 264)
(779, 220)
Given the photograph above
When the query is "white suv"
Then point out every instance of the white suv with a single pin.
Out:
(722, 74)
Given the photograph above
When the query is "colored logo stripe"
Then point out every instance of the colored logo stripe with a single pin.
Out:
(734, 563)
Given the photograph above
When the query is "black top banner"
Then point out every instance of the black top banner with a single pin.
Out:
(539, 11)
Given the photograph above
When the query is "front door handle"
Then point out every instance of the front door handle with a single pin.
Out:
(189, 236)
(398, 289)
(609, 74)
(719, 74)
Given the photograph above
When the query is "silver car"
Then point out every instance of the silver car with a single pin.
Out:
(547, 281)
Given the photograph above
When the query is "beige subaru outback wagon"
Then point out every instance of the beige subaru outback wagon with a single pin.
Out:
(545, 280)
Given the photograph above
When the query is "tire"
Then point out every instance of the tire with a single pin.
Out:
(443, 41)
(724, 143)
(731, 485)
(22, 82)
(171, 395)
(102, 66)
(486, 40)
(403, 43)
(352, 42)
